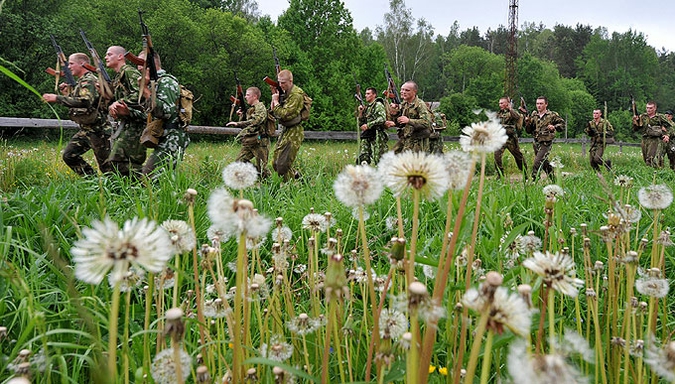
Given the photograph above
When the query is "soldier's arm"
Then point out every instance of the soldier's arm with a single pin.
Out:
(166, 98)
(256, 118)
(85, 99)
(130, 79)
(424, 120)
(378, 117)
(558, 122)
(637, 123)
(291, 108)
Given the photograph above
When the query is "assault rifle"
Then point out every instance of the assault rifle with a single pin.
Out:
(523, 106)
(104, 78)
(240, 98)
(392, 92)
(149, 62)
(633, 107)
(271, 82)
(61, 67)
(357, 95)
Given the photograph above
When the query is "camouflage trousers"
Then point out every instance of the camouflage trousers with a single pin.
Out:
(436, 145)
(81, 143)
(372, 148)
(128, 154)
(286, 150)
(668, 149)
(169, 151)
(413, 144)
(541, 163)
(512, 146)
(595, 154)
(651, 152)
(258, 148)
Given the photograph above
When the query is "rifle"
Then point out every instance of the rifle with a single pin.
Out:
(523, 106)
(149, 63)
(235, 102)
(357, 95)
(103, 77)
(271, 82)
(392, 92)
(240, 98)
(61, 62)
(633, 106)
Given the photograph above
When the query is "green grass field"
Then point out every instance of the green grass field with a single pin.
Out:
(65, 324)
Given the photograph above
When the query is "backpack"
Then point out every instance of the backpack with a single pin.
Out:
(185, 102)
(306, 107)
(270, 125)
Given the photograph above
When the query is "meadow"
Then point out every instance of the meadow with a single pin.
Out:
(520, 281)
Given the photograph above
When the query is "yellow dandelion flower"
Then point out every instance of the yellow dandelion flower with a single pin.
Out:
(443, 371)
(432, 369)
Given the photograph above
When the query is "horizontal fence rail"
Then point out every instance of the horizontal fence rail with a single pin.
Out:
(20, 122)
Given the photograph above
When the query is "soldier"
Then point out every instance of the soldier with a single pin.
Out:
(288, 113)
(374, 135)
(127, 154)
(512, 121)
(542, 125)
(600, 131)
(253, 136)
(172, 139)
(412, 119)
(654, 129)
(438, 125)
(88, 110)
(669, 147)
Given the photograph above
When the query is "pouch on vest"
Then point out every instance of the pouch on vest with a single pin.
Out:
(152, 133)
(83, 116)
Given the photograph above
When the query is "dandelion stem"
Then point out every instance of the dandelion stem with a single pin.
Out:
(487, 356)
(475, 348)
(112, 339)
(551, 319)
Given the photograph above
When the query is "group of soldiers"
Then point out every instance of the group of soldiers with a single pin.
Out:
(112, 125)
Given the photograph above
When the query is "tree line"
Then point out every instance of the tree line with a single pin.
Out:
(204, 42)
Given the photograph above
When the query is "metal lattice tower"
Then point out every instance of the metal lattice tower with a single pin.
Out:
(511, 80)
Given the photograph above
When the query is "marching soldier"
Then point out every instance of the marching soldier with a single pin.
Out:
(374, 135)
(254, 140)
(288, 113)
(512, 122)
(654, 129)
(542, 124)
(600, 131)
(412, 119)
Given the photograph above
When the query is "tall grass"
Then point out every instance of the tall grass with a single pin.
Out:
(64, 323)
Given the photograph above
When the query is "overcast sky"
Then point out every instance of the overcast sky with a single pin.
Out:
(655, 18)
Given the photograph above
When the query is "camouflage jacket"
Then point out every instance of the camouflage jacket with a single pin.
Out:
(511, 120)
(538, 125)
(254, 125)
(600, 129)
(420, 118)
(126, 88)
(291, 108)
(373, 115)
(167, 92)
(85, 96)
(655, 126)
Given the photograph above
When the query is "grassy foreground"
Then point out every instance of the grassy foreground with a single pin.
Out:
(282, 328)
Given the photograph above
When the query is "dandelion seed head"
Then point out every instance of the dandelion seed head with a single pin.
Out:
(483, 137)
(557, 270)
(315, 222)
(240, 175)
(623, 181)
(393, 324)
(458, 167)
(277, 349)
(105, 246)
(358, 186)
(163, 367)
(414, 170)
(182, 237)
(656, 196)
(652, 286)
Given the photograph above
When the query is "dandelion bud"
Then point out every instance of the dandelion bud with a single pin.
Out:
(631, 257)
(406, 340)
(573, 231)
(643, 306)
(189, 195)
(23, 354)
(525, 291)
(643, 244)
(634, 302)
(654, 272)
(599, 265)
(203, 375)
(251, 375)
(459, 307)
(174, 324)
(3, 333)
(279, 221)
(417, 293)
(335, 283)
(310, 243)
(279, 375)
(494, 279)
(618, 341)
(590, 293)
(18, 380)
(397, 249)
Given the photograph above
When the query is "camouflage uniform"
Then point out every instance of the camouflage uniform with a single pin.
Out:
(652, 129)
(128, 154)
(254, 140)
(436, 139)
(95, 136)
(413, 136)
(543, 139)
(171, 146)
(511, 120)
(599, 132)
(292, 135)
(669, 147)
(374, 139)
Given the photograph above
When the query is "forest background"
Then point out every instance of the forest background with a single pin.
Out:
(204, 42)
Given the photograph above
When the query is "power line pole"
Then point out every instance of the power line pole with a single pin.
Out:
(511, 81)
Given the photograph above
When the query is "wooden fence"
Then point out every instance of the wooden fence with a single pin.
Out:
(18, 122)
